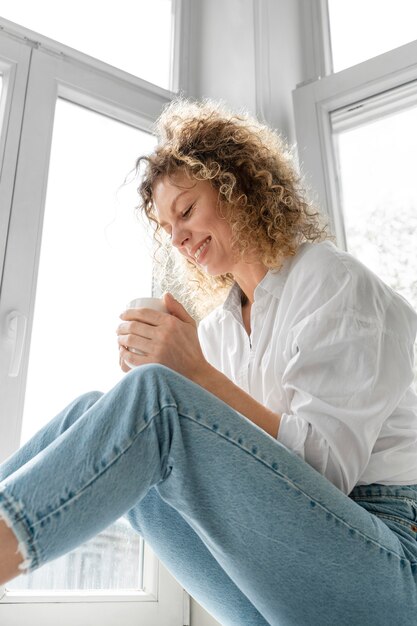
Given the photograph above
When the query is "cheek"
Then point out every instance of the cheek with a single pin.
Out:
(226, 236)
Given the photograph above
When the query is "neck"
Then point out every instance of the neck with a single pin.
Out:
(249, 280)
(243, 299)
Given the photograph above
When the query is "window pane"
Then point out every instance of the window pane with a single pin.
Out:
(133, 36)
(379, 197)
(95, 257)
(112, 560)
(362, 29)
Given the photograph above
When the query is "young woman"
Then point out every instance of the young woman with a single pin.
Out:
(269, 455)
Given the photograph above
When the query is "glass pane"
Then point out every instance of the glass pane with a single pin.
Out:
(362, 29)
(379, 197)
(133, 36)
(112, 560)
(95, 257)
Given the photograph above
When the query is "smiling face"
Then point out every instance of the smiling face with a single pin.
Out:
(188, 210)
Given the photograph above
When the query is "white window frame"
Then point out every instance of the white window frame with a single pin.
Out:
(36, 71)
(14, 66)
(342, 100)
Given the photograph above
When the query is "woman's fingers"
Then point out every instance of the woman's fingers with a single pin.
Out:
(134, 342)
(136, 328)
(122, 363)
(135, 335)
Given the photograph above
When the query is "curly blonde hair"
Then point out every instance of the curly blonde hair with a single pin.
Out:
(251, 167)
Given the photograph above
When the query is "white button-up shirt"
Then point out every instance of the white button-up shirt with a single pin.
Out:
(331, 350)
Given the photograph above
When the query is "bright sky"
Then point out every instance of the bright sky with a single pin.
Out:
(134, 35)
(361, 29)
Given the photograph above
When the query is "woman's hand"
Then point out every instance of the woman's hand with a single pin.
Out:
(170, 339)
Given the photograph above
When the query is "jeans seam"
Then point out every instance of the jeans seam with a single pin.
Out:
(394, 518)
(376, 498)
(290, 481)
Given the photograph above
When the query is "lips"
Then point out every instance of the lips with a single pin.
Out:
(196, 253)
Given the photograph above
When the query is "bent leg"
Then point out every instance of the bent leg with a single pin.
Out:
(170, 537)
(11, 551)
(189, 561)
(48, 433)
(299, 549)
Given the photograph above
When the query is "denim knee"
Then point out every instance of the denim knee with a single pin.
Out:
(88, 399)
(153, 376)
(153, 370)
(79, 406)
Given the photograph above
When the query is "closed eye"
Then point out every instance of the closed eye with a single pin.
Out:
(187, 211)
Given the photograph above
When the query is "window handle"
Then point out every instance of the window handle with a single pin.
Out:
(16, 332)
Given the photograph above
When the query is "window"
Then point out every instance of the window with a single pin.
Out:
(72, 131)
(14, 63)
(141, 32)
(378, 195)
(111, 561)
(94, 256)
(355, 136)
(362, 30)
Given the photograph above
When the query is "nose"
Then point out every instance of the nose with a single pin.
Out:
(179, 236)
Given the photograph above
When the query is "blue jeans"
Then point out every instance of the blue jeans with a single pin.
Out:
(253, 532)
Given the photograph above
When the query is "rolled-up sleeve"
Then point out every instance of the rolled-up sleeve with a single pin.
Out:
(345, 374)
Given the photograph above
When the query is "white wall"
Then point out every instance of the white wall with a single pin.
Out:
(222, 60)
(252, 54)
(287, 61)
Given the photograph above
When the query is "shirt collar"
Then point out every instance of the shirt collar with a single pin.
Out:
(233, 302)
(274, 281)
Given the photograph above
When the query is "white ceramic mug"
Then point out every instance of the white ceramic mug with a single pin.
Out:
(145, 303)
